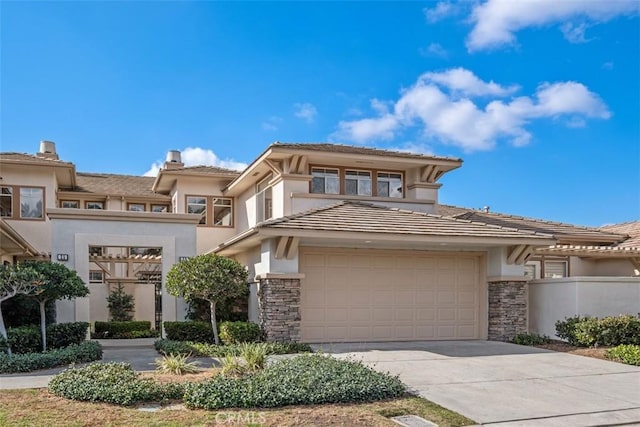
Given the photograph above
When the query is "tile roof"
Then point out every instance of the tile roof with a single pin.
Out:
(7, 156)
(121, 185)
(208, 170)
(559, 230)
(350, 149)
(350, 216)
(632, 229)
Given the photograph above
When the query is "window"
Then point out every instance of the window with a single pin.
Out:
(6, 201)
(94, 205)
(136, 207)
(31, 202)
(198, 206)
(357, 183)
(96, 276)
(70, 204)
(223, 212)
(325, 181)
(530, 271)
(159, 208)
(389, 184)
(555, 269)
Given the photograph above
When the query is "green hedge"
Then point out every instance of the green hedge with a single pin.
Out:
(239, 332)
(629, 354)
(530, 339)
(308, 379)
(593, 331)
(189, 331)
(212, 350)
(111, 383)
(124, 329)
(27, 339)
(64, 334)
(87, 351)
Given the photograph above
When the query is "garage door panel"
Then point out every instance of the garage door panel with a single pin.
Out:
(369, 295)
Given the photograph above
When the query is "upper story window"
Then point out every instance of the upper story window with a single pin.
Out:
(357, 183)
(223, 212)
(354, 182)
(136, 207)
(6, 201)
(94, 205)
(214, 211)
(31, 202)
(21, 202)
(264, 200)
(70, 204)
(325, 181)
(198, 205)
(389, 184)
(159, 208)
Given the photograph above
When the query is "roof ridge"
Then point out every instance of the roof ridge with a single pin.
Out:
(538, 220)
(386, 150)
(101, 174)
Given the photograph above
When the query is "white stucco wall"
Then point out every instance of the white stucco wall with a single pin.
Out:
(551, 300)
(74, 236)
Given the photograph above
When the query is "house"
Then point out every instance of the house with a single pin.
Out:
(342, 243)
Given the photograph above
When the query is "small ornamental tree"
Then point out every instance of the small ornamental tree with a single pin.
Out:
(17, 280)
(59, 282)
(120, 304)
(209, 277)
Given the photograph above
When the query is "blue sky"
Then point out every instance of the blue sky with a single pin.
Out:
(541, 99)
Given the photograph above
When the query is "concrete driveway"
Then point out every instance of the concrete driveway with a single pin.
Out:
(505, 384)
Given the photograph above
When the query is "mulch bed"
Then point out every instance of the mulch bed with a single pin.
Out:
(561, 346)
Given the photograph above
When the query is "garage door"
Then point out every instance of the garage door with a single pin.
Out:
(368, 295)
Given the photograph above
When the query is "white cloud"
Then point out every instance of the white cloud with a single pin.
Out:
(574, 33)
(497, 21)
(441, 10)
(445, 108)
(306, 111)
(607, 66)
(196, 156)
(434, 49)
(272, 123)
(465, 82)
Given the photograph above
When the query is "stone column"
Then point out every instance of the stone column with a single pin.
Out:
(279, 306)
(508, 309)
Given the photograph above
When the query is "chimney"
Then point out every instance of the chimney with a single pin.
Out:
(173, 160)
(48, 150)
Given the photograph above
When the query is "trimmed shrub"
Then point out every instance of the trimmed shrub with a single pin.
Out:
(64, 334)
(124, 329)
(629, 354)
(3, 344)
(111, 383)
(295, 381)
(212, 350)
(592, 331)
(530, 339)
(87, 351)
(239, 332)
(25, 339)
(189, 331)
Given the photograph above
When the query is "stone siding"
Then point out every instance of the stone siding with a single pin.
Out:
(507, 310)
(279, 305)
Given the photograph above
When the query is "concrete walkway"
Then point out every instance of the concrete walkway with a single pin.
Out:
(503, 384)
(138, 352)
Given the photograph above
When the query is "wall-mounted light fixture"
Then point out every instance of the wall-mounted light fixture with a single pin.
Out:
(62, 257)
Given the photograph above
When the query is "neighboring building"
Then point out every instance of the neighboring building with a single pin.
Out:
(342, 243)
